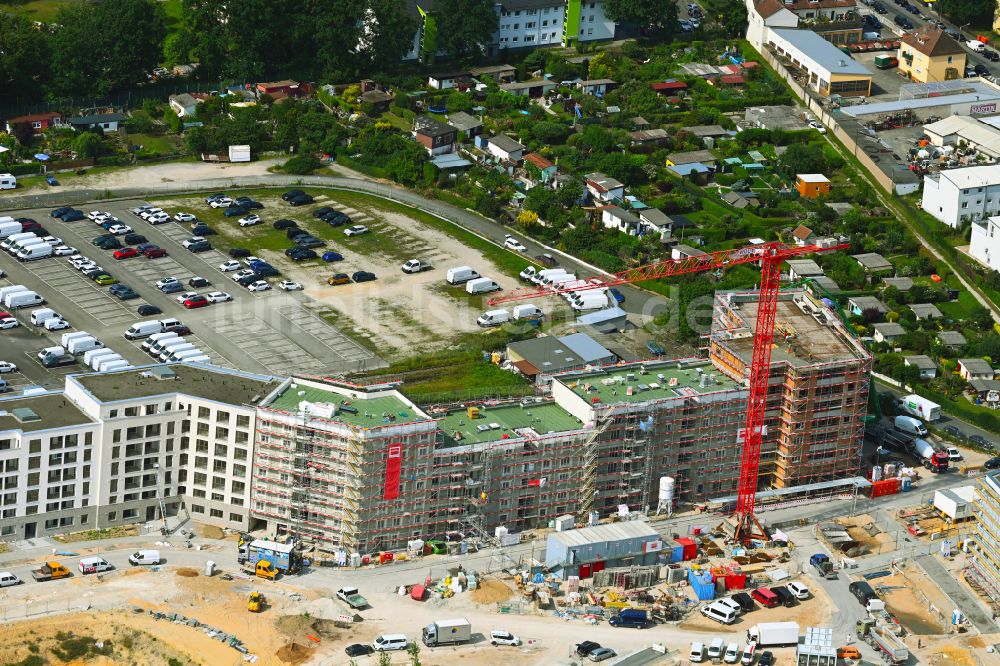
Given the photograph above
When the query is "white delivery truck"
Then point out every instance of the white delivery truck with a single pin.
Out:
(540, 276)
(35, 252)
(11, 289)
(591, 301)
(100, 356)
(920, 407)
(18, 247)
(460, 275)
(79, 346)
(16, 238)
(554, 281)
(447, 632)
(910, 426)
(527, 311)
(143, 329)
(9, 227)
(157, 347)
(774, 634)
(42, 315)
(481, 286)
(148, 343)
(111, 363)
(203, 358)
(492, 318)
(23, 299)
(171, 347)
(66, 337)
(179, 354)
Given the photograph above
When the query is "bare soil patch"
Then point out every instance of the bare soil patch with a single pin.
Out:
(185, 572)
(491, 591)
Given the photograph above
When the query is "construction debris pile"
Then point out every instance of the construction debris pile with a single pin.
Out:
(221, 636)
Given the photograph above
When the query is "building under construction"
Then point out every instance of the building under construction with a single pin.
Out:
(365, 469)
(819, 385)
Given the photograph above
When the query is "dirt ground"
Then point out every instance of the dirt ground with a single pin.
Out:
(915, 600)
(879, 542)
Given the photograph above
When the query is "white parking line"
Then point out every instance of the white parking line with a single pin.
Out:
(89, 296)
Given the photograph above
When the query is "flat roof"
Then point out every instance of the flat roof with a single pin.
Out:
(821, 52)
(201, 381)
(502, 422)
(661, 381)
(631, 529)
(920, 103)
(813, 178)
(810, 342)
(372, 411)
(54, 410)
(973, 176)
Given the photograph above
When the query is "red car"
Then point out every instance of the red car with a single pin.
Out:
(155, 253)
(126, 253)
(195, 302)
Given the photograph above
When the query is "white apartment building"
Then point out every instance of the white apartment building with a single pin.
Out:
(526, 23)
(959, 195)
(119, 448)
(984, 246)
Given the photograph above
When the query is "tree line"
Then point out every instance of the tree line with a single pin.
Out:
(95, 48)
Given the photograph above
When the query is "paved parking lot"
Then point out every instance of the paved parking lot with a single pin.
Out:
(269, 331)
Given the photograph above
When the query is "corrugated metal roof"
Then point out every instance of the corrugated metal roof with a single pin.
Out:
(601, 533)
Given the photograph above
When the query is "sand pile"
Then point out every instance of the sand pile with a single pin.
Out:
(187, 572)
(491, 592)
(293, 653)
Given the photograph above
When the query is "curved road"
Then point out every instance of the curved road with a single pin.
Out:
(637, 301)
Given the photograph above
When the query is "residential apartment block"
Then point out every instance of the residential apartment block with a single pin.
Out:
(929, 55)
(362, 468)
(962, 195)
(984, 244)
(986, 543)
(818, 395)
(524, 24)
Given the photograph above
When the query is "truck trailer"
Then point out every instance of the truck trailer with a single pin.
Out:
(447, 632)
(922, 408)
(774, 634)
(281, 555)
(883, 640)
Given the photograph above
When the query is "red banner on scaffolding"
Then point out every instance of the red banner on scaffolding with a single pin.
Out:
(393, 462)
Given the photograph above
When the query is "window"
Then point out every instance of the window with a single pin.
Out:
(216, 513)
(242, 421)
(222, 433)
(35, 446)
(222, 417)
(203, 412)
(113, 515)
(131, 411)
(112, 413)
(237, 518)
(197, 508)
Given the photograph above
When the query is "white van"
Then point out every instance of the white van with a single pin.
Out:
(83, 345)
(386, 642)
(729, 603)
(715, 649)
(169, 351)
(178, 356)
(527, 311)
(7, 181)
(460, 275)
(163, 348)
(202, 358)
(66, 337)
(7, 579)
(555, 281)
(976, 45)
(481, 286)
(89, 565)
(697, 654)
(540, 276)
(798, 590)
(108, 365)
(749, 652)
(143, 329)
(42, 315)
(144, 557)
(152, 340)
(11, 289)
(493, 318)
(732, 654)
(13, 239)
(100, 360)
(719, 613)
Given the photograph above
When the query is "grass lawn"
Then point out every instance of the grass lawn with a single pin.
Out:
(40, 10)
(398, 122)
(155, 143)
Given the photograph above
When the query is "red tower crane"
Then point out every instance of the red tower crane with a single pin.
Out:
(770, 256)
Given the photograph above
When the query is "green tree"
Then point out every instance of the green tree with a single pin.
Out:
(301, 165)
(205, 23)
(24, 133)
(384, 658)
(549, 132)
(89, 144)
(389, 36)
(804, 158)
(646, 13)
(176, 48)
(24, 58)
(95, 48)
(977, 12)
(464, 26)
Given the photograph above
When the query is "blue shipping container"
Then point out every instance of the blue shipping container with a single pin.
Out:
(677, 554)
(702, 584)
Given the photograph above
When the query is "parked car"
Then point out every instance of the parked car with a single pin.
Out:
(6, 366)
(291, 194)
(332, 256)
(119, 229)
(185, 296)
(231, 265)
(285, 224)
(259, 285)
(148, 310)
(992, 463)
(154, 252)
(301, 200)
(586, 647)
(51, 180)
(185, 217)
(501, 637)
(64, 251)
(203, 230)
(134, 239)
(601, 654)
(8, 322)
(289, 285)
(161, 283)
(198, 282)
(125, 253)
(303, 254)
(512, 243)
(250, 220)
(356, 230)
(218, 297)
(235, 211)
(238, 253)
(362, 276)
(195, 302)
(221, 202)
(105, 280)
(203, 246)
(339, 278)
(252, 204)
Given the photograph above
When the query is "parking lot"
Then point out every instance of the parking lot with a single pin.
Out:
(271, 331)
